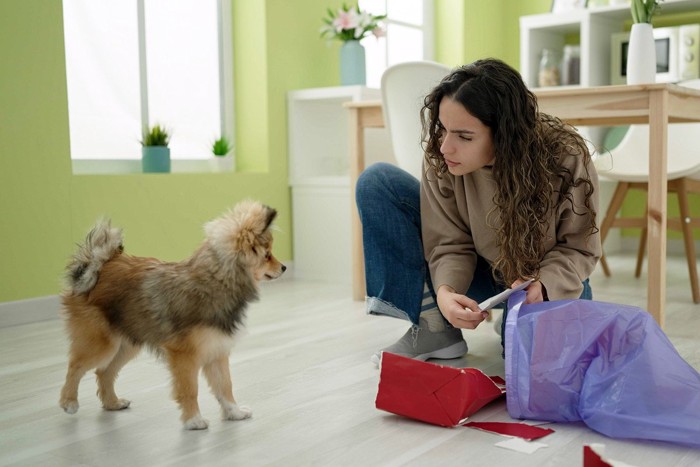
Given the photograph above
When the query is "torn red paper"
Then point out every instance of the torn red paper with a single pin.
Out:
(594, 456)
(436, 394)
(519, 430)
(591, 457)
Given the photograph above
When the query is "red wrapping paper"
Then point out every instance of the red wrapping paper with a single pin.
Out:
(436, 394)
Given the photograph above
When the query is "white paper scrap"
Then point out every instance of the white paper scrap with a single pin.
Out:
(520, 445)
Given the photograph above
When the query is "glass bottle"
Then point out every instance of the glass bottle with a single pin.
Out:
(571, 65)
(550, 68)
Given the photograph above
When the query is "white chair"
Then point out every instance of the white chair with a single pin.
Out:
(630, 168)
(403, 87)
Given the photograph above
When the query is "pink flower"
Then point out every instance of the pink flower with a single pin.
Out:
(350, 23)
(379, 32)
(346, 20)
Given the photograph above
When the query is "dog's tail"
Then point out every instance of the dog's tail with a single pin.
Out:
(101, 244)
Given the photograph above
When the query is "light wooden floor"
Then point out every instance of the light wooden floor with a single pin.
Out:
(303, 366)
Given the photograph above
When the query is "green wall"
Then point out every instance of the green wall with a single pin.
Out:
(45, 209)
(467, 30)
(35, 188)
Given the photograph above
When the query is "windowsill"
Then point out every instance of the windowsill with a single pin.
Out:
(133, 166)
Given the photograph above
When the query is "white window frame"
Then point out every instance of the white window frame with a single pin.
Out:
(226, 102)
(427, 28)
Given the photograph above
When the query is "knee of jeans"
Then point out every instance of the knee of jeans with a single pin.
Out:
(371, 180)
(586, 293)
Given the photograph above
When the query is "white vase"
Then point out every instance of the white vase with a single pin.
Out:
(222, 163)
(641, 55)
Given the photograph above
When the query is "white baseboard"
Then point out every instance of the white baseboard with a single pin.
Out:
(28, 311)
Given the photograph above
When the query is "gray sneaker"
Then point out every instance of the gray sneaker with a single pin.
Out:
(421, 344)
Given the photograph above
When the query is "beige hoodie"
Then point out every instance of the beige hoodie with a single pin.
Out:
(457, 224)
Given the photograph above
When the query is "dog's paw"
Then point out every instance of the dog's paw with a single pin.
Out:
(70, 407)
(236, 412)
(118, 404)
(196, 423)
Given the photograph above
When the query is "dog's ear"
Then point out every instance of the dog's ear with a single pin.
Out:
(270, 213)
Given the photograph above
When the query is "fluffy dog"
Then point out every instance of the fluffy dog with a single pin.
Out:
(187, 312)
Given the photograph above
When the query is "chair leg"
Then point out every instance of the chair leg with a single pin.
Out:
(613, 208)
(640, 252)
(688, 239)
(604, 265)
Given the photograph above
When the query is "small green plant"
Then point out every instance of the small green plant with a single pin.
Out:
(221, 147)
(155, 136)
(643, 10)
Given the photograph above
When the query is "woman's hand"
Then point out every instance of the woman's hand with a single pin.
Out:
(535, 291)
(463, 312)
(460, 310)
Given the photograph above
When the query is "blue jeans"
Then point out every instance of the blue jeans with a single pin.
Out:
(388, 201)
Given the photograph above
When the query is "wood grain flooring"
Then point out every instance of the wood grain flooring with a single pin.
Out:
(302, 365)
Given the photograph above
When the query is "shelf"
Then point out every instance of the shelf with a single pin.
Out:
(594, 28)
(342, 93)
(318, 130)
(559, 23)
(319, 176)
(341, 181)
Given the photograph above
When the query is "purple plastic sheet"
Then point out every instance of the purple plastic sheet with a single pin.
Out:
(608, 365)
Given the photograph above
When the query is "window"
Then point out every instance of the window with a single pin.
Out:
(133, 63)
(409, 35)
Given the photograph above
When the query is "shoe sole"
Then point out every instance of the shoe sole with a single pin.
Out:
(454, 351)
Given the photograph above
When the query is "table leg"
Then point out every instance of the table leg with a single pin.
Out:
(357, 165)
(657, 202)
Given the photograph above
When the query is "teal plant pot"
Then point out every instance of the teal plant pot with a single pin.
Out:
(352, 63)
(155, 159)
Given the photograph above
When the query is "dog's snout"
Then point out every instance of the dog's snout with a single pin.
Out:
(284, 268)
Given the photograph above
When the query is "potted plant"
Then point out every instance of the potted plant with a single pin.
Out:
(155, 153)
(641, 54)
(221, 147)
(349, 25)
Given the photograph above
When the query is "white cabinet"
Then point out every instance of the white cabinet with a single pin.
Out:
(593, 27)
(318, 149)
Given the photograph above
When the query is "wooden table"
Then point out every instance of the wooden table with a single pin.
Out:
(655, 104)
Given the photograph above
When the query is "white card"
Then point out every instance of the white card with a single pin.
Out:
(502, 297)
(520, 445)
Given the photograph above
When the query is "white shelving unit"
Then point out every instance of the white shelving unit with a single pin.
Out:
(318, 138)
(593, 26)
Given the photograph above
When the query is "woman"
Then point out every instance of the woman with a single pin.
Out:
(507, 194)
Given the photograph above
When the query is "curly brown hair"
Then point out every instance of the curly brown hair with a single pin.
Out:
(530, 148)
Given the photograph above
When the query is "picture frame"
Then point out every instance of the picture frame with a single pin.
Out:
(560, 6)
